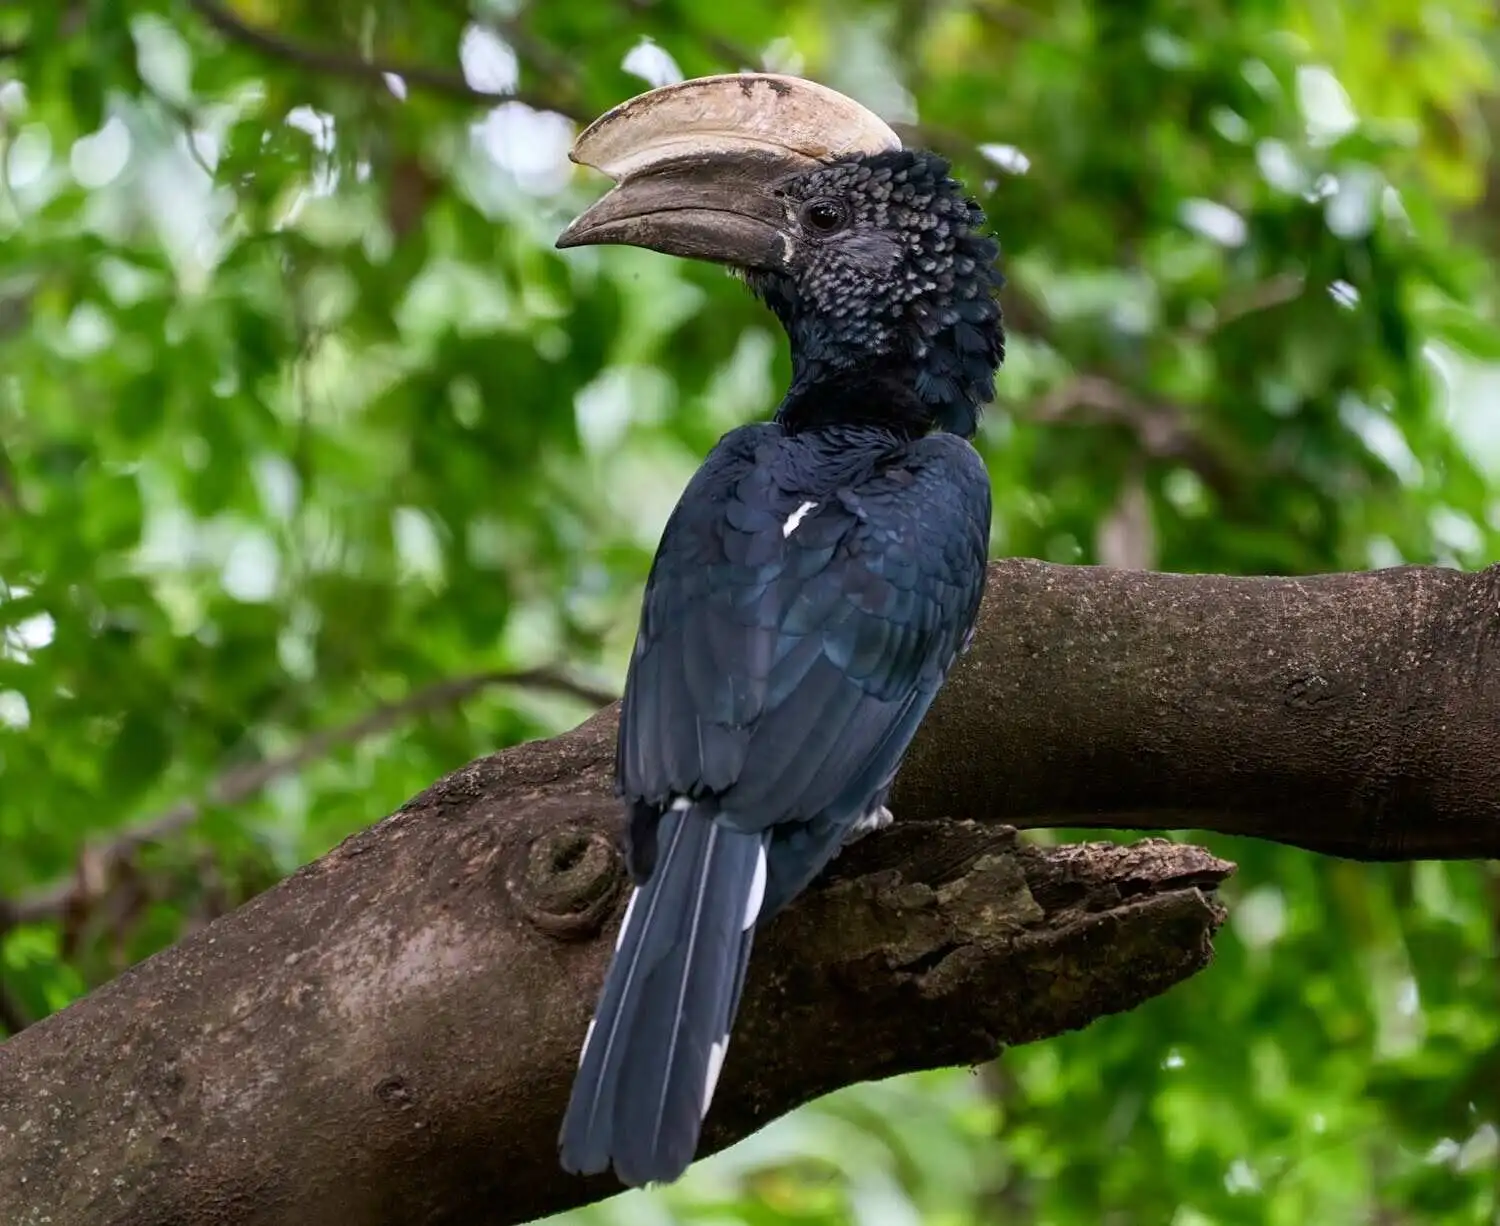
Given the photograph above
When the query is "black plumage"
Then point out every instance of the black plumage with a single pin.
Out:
(811, 590)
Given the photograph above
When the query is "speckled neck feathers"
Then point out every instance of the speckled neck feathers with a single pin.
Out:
(888, 298)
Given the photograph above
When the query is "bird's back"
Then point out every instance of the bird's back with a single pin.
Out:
(809, 594)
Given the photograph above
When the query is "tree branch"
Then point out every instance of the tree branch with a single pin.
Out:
(1352, 714)
(388, 1035)
(341, 64)
(1251, 300)
(1161, 430)
(239, 783)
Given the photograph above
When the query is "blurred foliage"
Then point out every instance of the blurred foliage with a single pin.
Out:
(303, 422)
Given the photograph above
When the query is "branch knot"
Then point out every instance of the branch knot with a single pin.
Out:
(567, 882)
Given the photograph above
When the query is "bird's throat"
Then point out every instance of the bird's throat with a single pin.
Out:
(941, 386)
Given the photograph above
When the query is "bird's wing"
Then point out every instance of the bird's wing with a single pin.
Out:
(783, 671)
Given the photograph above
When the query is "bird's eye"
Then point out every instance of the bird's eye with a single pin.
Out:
(824, 216)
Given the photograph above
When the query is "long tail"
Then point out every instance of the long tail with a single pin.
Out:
(652, 1054)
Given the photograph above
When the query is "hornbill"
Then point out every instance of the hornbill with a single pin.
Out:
(817, 579)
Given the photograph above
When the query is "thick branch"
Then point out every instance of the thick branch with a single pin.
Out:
(1354, 714)
(388, 1036)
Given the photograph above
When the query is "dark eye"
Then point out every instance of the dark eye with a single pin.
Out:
(824, 216)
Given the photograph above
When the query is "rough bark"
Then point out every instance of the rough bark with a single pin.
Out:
(1352, 714)
(388, 1036)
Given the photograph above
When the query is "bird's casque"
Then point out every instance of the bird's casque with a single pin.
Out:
(817, 579)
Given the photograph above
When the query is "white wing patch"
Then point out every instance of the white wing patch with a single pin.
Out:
(796, 517)
(625, 923)
(757, 893)
(715, 1066)
(587, 1037)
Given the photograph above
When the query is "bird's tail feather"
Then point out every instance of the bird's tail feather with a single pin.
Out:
(652, 1054)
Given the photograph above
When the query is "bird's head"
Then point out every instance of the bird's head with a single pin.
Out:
(871, 255)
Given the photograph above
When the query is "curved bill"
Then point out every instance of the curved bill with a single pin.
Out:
(695, 164)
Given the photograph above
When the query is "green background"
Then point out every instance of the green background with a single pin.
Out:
(306, 433)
